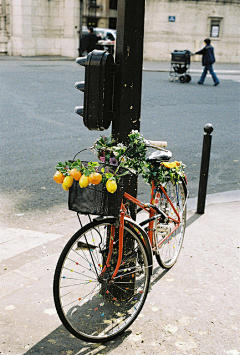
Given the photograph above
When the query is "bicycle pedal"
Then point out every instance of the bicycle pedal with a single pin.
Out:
(163, 229)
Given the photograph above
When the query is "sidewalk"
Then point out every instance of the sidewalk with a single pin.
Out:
(195, 67)
(148, 65)
(192, 309)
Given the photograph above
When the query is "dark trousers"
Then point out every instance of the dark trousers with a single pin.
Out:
(209, 68)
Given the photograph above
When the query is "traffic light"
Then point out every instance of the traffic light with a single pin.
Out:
(97, 110)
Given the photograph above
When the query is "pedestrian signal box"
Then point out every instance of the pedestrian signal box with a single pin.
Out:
(97, 109)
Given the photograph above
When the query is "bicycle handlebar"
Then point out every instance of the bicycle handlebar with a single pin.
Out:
(156, 144)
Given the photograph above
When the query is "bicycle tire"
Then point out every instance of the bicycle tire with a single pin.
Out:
(168, 252)
(96, 309)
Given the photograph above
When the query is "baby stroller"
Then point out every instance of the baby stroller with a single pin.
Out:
(180, 64)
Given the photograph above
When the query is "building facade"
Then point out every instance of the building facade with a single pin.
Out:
(178, 25)
(51, 27)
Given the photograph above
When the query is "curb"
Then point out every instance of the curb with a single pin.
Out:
(196, 71)
(211, 199)
(146, 68)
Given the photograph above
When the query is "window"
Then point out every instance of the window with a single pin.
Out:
(113, 4)
(215, 27)
(112, 23)
(92, 3)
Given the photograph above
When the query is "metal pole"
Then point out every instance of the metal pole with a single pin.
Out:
(80, 28)
(128, 77)
(129, 59)
(207, 139)
(128, 88)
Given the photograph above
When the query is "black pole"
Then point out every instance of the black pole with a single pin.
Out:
(80, 28)
(207, 140)
(129, 59)
(128, 77)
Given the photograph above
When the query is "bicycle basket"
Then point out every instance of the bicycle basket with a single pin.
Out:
(95, 199)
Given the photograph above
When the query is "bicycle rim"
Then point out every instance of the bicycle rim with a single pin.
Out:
(91, 306)
(168, 251)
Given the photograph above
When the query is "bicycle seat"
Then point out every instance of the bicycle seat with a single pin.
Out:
(158, 156)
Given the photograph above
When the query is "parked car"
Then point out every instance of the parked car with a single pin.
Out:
(107, 38)
(106, 33)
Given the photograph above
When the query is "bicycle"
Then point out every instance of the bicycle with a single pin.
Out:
(102, 276)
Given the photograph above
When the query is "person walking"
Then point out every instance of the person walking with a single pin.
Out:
(208, 59)
(91, 40)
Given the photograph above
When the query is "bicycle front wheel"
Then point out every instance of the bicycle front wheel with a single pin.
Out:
(91, 305)
(167, 251)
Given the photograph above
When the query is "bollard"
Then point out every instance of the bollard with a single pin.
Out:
(207, 139)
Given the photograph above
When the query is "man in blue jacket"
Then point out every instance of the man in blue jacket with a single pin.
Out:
(208, 59)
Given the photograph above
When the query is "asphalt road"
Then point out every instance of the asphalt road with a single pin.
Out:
(39, 128)
(191, 309)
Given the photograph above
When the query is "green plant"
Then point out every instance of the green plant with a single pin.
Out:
(131, 157)
(163, 173)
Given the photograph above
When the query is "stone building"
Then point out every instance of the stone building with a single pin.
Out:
(51, 27)
(178, 24)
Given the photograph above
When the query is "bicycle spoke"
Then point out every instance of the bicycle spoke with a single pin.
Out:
(169, 236)
(92, 304)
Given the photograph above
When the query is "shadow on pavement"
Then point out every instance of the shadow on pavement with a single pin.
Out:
(60, 341)
(192, 219)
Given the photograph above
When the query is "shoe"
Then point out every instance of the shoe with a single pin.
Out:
(216, 84)
(200, 83)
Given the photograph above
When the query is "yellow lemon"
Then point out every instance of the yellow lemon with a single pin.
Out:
(68, 181)
(111, 186)
(65, 187)
(84, 181)
(167, 165)
(173, 165)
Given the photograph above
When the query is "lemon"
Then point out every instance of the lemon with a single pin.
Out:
(58, 177)
(173, 165)
(65, 187)
(167, 165)
(75, 174)
(95, 178)
(68, 181)
(111, 186)
(84, 181)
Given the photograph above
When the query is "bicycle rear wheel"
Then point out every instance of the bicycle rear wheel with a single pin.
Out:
(168, 251)
(91, 305)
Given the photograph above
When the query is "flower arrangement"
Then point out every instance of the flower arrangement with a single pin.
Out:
(131, 157)
(163, 173)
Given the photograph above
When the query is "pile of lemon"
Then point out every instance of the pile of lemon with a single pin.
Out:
(84, 180)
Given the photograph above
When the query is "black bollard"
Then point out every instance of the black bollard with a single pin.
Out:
(202, 191)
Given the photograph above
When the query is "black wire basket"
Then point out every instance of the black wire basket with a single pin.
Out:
(95, 199)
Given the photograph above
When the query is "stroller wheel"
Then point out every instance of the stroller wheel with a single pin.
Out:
(187, 78)
(171, 78)
(182, 79)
